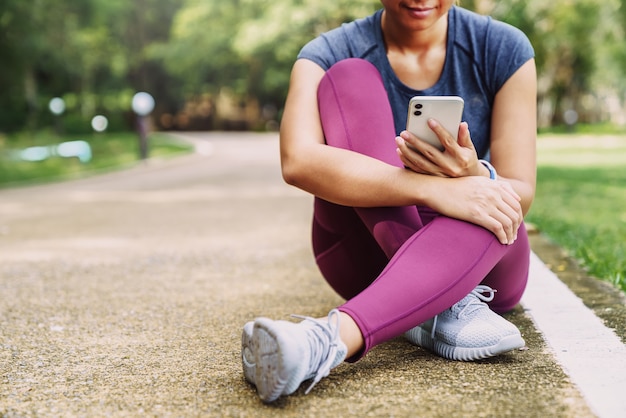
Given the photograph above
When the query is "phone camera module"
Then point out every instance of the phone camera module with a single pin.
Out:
(419, 106)
(417, 113)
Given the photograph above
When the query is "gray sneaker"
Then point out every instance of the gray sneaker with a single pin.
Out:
(468, 331)
(277, 356)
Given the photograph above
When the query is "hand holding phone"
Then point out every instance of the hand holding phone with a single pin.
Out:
(447, 110)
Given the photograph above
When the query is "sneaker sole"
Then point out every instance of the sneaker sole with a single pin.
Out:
(247, 353)
(506, 344)
(423, 339)
(276, 367)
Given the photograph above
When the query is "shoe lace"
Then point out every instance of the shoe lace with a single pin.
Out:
(323, 342)
(474, 300)
(470, 304)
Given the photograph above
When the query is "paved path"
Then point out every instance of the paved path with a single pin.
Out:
(124, 295)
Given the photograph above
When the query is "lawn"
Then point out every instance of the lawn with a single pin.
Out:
(581, 200)
(108, 152)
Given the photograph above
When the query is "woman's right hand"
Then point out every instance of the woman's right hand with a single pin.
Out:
(494, 205)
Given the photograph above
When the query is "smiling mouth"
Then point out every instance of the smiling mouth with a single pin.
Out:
(420, 13)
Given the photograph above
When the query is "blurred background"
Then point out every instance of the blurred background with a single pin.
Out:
(224, 65)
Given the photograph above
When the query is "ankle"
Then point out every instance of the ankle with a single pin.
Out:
(351, 335)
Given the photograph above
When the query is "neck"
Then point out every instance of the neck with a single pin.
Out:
(417, 40)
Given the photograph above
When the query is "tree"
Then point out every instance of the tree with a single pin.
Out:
(91, 52)
(570, 37)
(98, 53)
(247, 46)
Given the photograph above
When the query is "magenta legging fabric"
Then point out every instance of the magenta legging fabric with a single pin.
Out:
(398, 266)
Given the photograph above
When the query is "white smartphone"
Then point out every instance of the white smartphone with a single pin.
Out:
(447, 110)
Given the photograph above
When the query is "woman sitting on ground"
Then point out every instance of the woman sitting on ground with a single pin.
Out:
(417, 240)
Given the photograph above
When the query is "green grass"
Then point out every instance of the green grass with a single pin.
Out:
(110, 151)
(582, 128)
(581, 200)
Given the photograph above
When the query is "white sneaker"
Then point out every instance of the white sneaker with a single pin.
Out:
(277, 356)
(468, 331)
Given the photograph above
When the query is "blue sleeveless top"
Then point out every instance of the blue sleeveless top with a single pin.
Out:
(482, 54)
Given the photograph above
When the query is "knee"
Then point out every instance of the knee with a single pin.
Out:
(351, 71)
(353, 64)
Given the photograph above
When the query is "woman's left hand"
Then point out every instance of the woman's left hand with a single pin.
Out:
(458, 159)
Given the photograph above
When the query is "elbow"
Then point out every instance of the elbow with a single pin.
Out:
(527, 200)
(526, 204)
(300, 170)
(292, 171)
(290, 176)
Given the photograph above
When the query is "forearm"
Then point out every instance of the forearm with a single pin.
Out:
(351, 179)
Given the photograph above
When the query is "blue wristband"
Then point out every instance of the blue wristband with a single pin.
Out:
(492, 171)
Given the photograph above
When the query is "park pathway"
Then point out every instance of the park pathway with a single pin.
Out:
(124, 294)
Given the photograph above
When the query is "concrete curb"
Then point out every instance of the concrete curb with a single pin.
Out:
(590, 353)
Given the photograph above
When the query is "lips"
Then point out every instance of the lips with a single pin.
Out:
(420, 12)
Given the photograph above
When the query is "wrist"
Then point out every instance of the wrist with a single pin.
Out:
(493, 175)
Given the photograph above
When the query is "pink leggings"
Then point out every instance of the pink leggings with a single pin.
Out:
(398, 266)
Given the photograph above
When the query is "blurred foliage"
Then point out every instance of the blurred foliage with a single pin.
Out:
(91, 53)
(96, 54)
(110, 151)
(248, 45)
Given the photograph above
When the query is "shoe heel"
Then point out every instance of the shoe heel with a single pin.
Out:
(267, 358)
